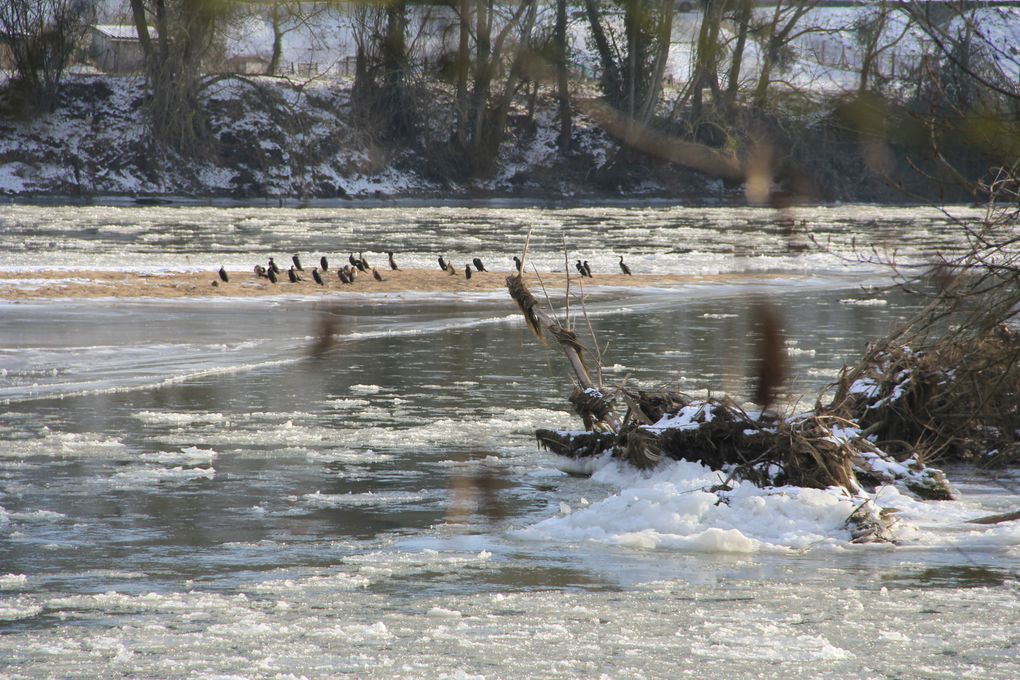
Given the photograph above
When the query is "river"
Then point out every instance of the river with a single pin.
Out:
(188, 490)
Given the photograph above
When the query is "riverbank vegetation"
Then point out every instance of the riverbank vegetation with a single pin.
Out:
(796, 101)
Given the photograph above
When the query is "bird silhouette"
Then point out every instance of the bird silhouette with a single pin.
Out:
(292, 275)
(478, 264)
(580, 269)
(376, 275)
(297, 263)
(467, 271)
(364, 262)
(223, 274)
(587, 268)
(350, 258)
(442, 263)
(342, 275)
(324, 263)
(272, 267)
(518, 263)
(624, 268)
(272, 275)
(393, 263)
(316, 276)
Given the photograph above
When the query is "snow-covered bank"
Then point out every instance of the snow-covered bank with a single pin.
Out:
(278, 142)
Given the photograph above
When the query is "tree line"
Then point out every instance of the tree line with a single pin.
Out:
(725, 116)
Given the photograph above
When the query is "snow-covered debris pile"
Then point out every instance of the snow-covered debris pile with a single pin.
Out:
(954, 402)
(813, 450)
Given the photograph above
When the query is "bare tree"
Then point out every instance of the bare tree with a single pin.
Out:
(775, 35)
(42, 35)
(632, 61)
(186, 33)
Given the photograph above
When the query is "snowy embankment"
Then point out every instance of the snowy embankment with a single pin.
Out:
(269, 140)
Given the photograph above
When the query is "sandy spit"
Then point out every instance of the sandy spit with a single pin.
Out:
(64, 285)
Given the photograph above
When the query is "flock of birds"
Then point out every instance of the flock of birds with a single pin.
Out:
(349, 272)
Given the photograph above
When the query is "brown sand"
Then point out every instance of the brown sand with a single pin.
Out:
(93, 284)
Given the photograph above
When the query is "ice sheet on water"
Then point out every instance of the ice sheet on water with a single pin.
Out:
(187, 456)
(65, 445)
(381, 498)
(139, 477)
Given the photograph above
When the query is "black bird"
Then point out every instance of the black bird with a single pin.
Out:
(297, 263)
(316, 276)
(624, 268)
(260, 271)
(518, 263)
(350, 258)
(360, 265)
(467, 271)
(223, 275)
(580, 269)
(393, 263)
(324, 263)
(342, 275)
(352, 273)
(272, 267)
(478, 264)
(587, 268)
(364, 262)
(292, 275)
(442, 263)
(376, 275)
(271, 273)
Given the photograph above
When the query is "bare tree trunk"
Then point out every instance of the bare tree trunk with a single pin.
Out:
(463, 57)
(654, 88)
(482, 79)
(274, 59)
(562, 90)
(142, 27)
(611, 76)
(733, 78)
(707, 59)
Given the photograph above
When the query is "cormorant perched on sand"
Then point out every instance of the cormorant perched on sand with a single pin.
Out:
(297, 263)
(350, 258)
(352, 274)
(624, 268)
(292, 275)
(393, 263)
(272, 275)
(223, 275)
(518, 264)
(364, 262)
(260, 271)
(376, 275)
(580, 269)
(467, 271)
(587, 268)
(342, 275)
(324, 263)
(316, 276)
(360, 265)
(442, 263)
(273, 267)
(478, 264)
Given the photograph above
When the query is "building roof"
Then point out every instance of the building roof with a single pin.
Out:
(122, 31)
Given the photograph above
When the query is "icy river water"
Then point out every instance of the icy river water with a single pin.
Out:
(187, 491)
